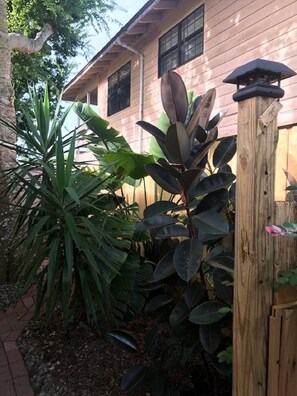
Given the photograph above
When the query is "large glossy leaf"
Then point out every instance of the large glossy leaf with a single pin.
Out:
(157, 302)
(159, 207)
(210, 337)
(225, 151)
(293, 187)
(174, 97)
(207, 106)
(176, 230)
(190, 177)
(214, 122)
(163, 178)
(123, 340)
(219, 259)
(193, 105)
(134, 377)
(202, 114)
(153, 130)
(158, 143)
(223, 284)
(187, 258)
(163, 124)
(215, 201)
(291, 179)
(132, 163)
(169, 168)
(155, 222)
(177, 143)
(194, 293)
(211, 222)
(94, 122)
(225, 168)
(179, 313)
(198, 156)
(213, 183)
(165, 267)
(206, 313)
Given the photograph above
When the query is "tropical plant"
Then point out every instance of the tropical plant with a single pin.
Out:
(110, 147)
(73, 231)
(194, 277)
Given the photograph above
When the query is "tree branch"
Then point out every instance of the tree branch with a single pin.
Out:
(24, 44)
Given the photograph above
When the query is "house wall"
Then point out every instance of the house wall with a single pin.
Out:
(236, 32)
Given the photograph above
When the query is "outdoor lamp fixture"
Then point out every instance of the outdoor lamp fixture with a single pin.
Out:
(257, 78)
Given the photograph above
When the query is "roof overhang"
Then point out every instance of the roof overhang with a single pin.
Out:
(130, 34)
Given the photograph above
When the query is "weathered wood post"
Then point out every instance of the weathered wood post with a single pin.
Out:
(253, 280)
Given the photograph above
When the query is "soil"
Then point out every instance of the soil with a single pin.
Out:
(80, 362)
(77, 362)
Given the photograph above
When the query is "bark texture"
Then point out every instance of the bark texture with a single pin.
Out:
(24, 44)
(7, 113)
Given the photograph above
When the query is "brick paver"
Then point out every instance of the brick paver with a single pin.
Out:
(14, 378)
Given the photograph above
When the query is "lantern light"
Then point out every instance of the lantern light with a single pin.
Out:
(258, 78)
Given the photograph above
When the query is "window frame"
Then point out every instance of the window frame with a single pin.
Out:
(180, 42)
(120, 84)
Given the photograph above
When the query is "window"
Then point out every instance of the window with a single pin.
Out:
(119, 90)
(182, 43)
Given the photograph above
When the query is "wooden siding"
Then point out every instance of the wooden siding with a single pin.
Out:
(236, 32)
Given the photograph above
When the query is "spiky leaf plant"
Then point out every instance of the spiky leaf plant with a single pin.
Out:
(73, 233)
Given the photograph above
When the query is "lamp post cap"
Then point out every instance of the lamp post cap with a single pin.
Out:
(275, 70)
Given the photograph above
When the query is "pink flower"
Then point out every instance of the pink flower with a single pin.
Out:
(274, 230)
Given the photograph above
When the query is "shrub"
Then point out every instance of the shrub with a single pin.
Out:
(193, 278)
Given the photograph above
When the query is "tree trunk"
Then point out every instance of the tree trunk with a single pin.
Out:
(7, 157)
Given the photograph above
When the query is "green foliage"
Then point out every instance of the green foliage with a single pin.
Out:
(69, 20)
(73, 232)
(191, 234)
(160, 355)
(111, 148)
(226, 355)
(286, 278)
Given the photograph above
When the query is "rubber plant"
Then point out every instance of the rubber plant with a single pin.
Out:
(193, 279)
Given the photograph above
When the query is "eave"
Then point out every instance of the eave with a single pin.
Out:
(133, 32)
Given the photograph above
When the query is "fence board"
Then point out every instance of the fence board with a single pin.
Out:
(285, 257)
(288, 353)
(282, 368)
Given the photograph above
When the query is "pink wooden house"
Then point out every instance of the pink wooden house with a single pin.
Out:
(204, 41)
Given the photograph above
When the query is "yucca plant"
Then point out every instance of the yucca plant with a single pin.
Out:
(73, 232)
(193, 278)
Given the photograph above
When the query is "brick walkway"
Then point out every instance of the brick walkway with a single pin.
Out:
(14, 379)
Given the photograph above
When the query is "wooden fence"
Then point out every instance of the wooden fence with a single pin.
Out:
(282, 357)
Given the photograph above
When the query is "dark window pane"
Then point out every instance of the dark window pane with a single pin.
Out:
(183, 42)
(112, 104)
(169, 40)
(169, 61)
(119, 84)
(192, 48)
(192, 24)
(124, 97)
(125, 71)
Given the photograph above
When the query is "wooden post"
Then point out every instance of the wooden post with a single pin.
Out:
(253, 278)
(253, 247)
